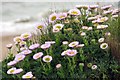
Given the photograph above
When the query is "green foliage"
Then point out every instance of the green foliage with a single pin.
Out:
(72, 67)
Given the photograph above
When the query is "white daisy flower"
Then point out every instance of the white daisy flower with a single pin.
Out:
(115, 16)
(89, 28)
(65, 42)
(45, 46)
(11, 63)
(58, 66)
(28, 75)
(106, 7)
(11, 71)
(50, 42)
(53, 17)
(25, 36)
(93, 6)
(71, 52)
(80, 45)
(94, 67)
(37, 55)
(101, 40)
(47, 58)
(82, 6)
(64, 53)
(17, 71)
(14, 71)
(19, 57)
(74, 12)
(102, 26)
(9, 46)
(103, 19)
(104, 46)
(58, 26)
(17, 39)
(85, 27)
(55, 30)
(82, 33)
(73, 44)
(92, 18)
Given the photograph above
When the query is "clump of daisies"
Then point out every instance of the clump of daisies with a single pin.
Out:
(71, 44)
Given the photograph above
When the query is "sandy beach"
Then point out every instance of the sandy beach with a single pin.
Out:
(4, 40)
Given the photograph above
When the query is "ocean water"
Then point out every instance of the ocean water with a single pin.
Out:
(20, 17)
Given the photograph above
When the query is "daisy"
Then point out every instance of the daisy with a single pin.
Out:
(22, 43)
(101, 40)
(103, 19)
(102, 26)
(65, 42)
(62, 15)
(104, 46)
(92, 18)
(9, 46)
(19, 57)
(34, 46)
(82, 6)
(47, 58)
(50, 42)
(28, 75)
(74, 12)
(94, 67)
(17, 71)
(85, 27)
(11, 71)
(40, 26)
(25, 36)
(11, 63)
(55, 30)
(82, 33)
(53, 17)
(89, 28)
(94, 21)
(58, 66)
(115, 16)
(23, 48)
(17, 39)
(26, 52)
(116, 11)
(14, 71)
(106, 7)
(58, 26)
(73, 44)
(80, 45)
(64, 53)
(107, 12)
(93, 6)
(37, 55)
(71, 52)
(45, 46)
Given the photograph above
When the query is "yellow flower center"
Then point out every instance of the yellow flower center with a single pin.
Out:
(12, 71)
(40, 27)
(62, 16)
(104, 46)
(59, 27)
(19, 58)
(53, 18)
(26, 36)
(71, 52)
(74, 12)
(47, 59)
(27, 77)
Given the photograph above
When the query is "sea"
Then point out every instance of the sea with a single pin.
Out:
(21, 17)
